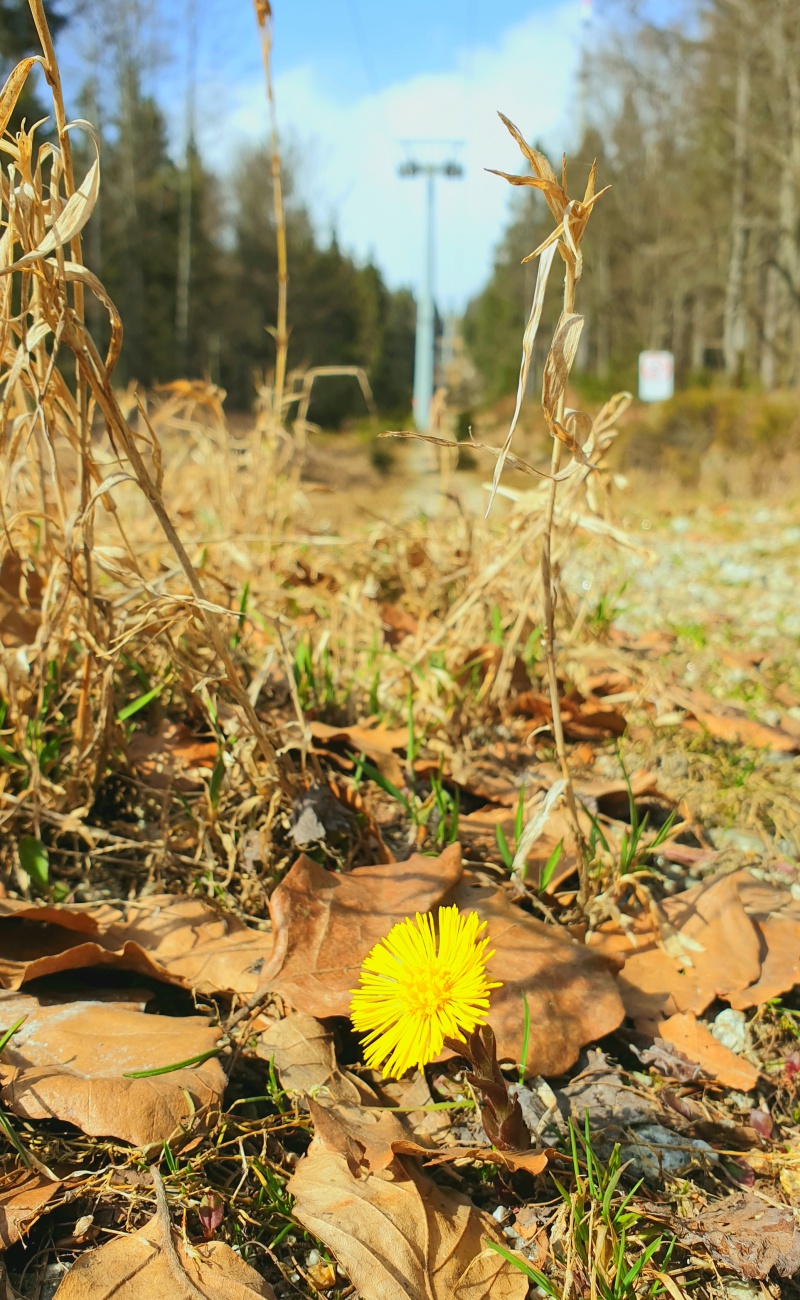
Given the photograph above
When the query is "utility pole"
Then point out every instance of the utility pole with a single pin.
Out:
(426, 312)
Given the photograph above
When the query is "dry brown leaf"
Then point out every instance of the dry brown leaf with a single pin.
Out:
(697, 1042)
(23, 1196)
(745, 1234)
(20, 603)
(67, 1061)
(364, 1135)
(397, 1234)
(731, 937)
(397, 624)
(583, 719)
(376, 743)
(714, 952)
(571, 994)
(726, 722)
(180, 940)
(776, 916)
(135, 1267)
(170, 756)
(325, 924)
(530, 1162)
(304, 1056)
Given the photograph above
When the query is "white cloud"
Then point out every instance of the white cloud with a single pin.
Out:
(352, 150)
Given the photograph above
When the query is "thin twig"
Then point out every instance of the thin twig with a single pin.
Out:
(177, 1270)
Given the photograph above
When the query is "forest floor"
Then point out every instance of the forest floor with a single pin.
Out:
(184, 1102)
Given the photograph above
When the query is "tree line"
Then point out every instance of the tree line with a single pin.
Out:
(163, 226)
(696, 248)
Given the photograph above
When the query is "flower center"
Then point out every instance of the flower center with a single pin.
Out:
(428, 989)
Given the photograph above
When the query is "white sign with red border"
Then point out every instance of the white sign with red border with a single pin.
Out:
(656, 376)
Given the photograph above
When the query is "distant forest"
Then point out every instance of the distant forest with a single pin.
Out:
(696, 248)
(340, 312)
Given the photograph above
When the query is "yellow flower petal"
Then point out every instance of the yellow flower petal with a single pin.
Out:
(416, 991)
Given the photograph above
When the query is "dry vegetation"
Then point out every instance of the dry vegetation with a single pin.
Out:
(250, 730)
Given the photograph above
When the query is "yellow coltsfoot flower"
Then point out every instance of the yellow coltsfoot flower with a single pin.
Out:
(415, 992)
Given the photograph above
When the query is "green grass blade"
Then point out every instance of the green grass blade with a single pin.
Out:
(170, 1069)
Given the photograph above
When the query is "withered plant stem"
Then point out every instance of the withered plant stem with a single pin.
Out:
(94, 374)
(76, 253)
(264, 18)
(548, 598)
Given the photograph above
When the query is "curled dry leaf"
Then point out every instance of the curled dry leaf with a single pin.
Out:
(364, 1135)
(304, 1056)
(726, 722)
(743, 1233)
(376, 743)
(67, 1061)
(325, 924)
(572, 995)
(171, 755)
(23, 1196)
(533, 1161)
(397, 1234)
(135, 1267)
(696, 1041)
(180, 940)
(729, 937)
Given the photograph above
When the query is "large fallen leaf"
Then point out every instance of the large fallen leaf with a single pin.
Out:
(697, 1042)
(67, 1061)
(744, 1234)
(23, 1197)
(182, 940)
(399, 1235)
(571, 992)
(325, 924)
(135, 1267)
(713, 951)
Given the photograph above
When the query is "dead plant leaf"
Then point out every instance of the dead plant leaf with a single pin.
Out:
(397, 624)
(377, 743)
(572, 996)
(713, 952)
(180, 940)
(776, 916)
(398, 1234)
(304, 1056)
(134, 1267)
(68, 1059)
(697, 1042)
(23, 1196)
(726, 722)
(364, 1135)
(531, 1162)
(171, 755)
(325, 924)
(745, 1234)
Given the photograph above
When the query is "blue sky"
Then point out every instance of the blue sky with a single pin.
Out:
(355, 78)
